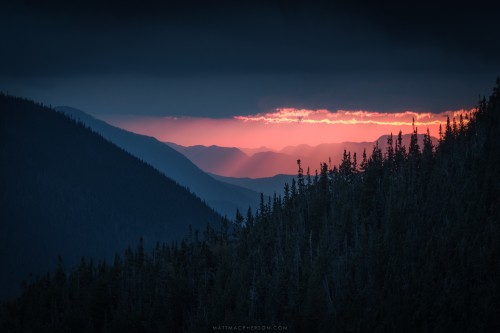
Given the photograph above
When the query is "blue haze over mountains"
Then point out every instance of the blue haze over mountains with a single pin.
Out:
(223, 197)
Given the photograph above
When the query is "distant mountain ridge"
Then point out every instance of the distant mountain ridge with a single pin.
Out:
(267, 164)
(223, 197)
(65, 190)
(267, 185)
(213, 157)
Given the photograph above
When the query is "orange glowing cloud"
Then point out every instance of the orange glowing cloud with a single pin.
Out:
(290, 115)
(284, 127)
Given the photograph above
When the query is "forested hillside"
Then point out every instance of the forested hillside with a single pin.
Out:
(65, 190)
(400, 240)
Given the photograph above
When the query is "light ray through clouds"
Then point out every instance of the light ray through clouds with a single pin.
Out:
(285, 126)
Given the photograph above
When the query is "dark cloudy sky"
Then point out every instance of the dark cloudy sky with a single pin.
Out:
(218, 59)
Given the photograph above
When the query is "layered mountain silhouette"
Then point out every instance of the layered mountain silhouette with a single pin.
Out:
(65, 190)
(213, 158)
(270, 163)
(267, 185)
(223, 197)
(235, 163)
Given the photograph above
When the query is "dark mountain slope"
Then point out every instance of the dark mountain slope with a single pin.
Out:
(64, 190)
(225, 198)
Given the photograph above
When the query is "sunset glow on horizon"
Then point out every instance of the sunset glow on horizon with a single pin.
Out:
(284, 127)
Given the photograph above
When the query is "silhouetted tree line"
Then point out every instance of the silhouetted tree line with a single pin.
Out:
(401, 240)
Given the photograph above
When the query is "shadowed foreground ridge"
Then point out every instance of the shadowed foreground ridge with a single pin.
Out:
(65, 190)
(404, 240)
